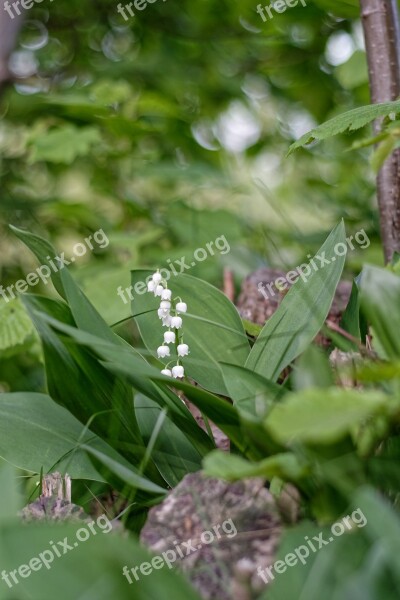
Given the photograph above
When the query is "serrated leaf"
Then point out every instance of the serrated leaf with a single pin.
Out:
(348, 121)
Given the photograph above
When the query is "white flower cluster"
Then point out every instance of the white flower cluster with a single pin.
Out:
(169, 312)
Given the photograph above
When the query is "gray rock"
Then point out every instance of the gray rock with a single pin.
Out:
(226, 568)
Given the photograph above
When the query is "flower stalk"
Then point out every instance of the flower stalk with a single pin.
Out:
(169, 313)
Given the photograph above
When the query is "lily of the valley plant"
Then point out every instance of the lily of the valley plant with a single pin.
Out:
(169, 312)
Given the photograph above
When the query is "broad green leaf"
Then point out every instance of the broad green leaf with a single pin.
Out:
(301, 314)
(212, 328)
(323, 416)
(11, 498)
(36, 433)
(77, 381)
(252, 394)
(128, 363)
(89, 570)
(124, 471)
(348, 121)
(172, 453)
(43, 251)
(84, 314)
(380, 301)
(231, 467)
(312, 370)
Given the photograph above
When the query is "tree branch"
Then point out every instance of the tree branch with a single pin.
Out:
(382, 40)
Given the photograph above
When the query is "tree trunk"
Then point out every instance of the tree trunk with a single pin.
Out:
(382, 40)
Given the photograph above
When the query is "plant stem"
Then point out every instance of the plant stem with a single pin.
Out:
(382, 40)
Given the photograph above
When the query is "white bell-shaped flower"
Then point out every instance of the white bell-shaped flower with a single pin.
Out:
(169, 337)
(183, 350)
(166, 295)
(166, 321)
(166, 372)
(163, 351)
(176, 322)
(157, 277)
(159, 290)
(178, 371)
(181, 307)
(165, 305)
(162, 314)
(151, 286)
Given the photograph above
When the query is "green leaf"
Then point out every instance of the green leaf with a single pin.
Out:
(124, 471)
(382, 152)
(84, 313)
(64, 144)
(252, 394)
(348, 121)
(312, 370)
(212, 328)
(77, 380)
(43, 251)
(173, 454)
(380, 301)
(36, 433)
(89, 570)
(301, 314)
(16, 328)
(252, 328)
(126, 362)
(286, 466)
(323, 416)
(352, 321)
(11, 499)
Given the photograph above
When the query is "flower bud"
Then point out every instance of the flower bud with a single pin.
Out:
(159, 290)
(151, 286)
(165, 305)
(157, 277)
(166, 372)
